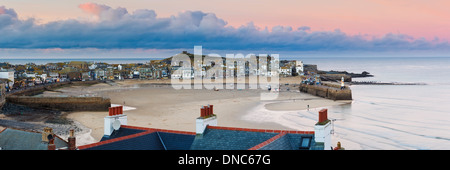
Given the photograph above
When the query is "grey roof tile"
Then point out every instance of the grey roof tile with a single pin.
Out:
(13, 139)
(219, 139)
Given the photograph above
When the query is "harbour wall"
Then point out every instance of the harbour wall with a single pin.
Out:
(26, 97)
(2, 95)
(63, 103)
(30, 91)
(327, 91)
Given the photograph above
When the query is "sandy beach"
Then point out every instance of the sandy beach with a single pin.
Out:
(151, 103)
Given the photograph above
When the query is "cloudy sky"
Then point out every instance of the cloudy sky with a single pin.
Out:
(157, 28)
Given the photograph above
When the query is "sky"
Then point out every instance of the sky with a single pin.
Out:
(157, 28)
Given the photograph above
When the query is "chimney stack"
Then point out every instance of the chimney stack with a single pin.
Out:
(206, 118)
(72, 140)
(45, 135)
(115, 113)
(206, 111)
(51, 144)
(323, 115)
(322, 130)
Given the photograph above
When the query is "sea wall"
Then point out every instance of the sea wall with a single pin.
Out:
(63, 103)
(26, 97)
(2, 95)
(327, 91)
(30, 91)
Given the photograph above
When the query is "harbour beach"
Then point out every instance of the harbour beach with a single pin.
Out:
(155, 104)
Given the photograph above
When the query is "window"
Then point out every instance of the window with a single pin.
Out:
(305, 142)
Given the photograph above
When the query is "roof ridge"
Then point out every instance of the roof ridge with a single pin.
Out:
(162, 141)
(268, 141)
(25, 130)
(260, 130)
(115, 139)
(159, 130)
(3, 130)
(32, 131)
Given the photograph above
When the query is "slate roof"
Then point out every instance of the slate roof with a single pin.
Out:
(138, 138)
(213, 138)
(226, 138)
(14, 139)
(121, 133)
(223, 139)
(288, 142)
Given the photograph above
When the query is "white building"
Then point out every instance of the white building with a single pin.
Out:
(8, 75)
(285, 71)
(93, 67)
(299, 66)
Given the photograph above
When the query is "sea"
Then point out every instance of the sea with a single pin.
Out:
(385, 117)
(380, 117)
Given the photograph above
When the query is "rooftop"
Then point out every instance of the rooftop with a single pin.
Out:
(14, 139)
(214, 138)
(208, 136)
(138, 138)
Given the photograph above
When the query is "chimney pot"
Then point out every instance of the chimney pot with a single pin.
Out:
(47, 131)
(209, 110)
(71, 132)
(110, 111)
(51, 144)
(202, 112)
(323, 115)
(211, 107)
(72, 140)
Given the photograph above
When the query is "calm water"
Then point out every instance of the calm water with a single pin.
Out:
(394, 117)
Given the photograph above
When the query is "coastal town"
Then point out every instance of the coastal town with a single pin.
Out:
(18, 76)
(32, 86)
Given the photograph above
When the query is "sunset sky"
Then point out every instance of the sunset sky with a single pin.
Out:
(143, 27)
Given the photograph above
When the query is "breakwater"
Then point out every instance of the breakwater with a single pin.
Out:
(26, 97)
(30, 91)
(2, 95)
(327, 90)
(63, 103)
(383, 83)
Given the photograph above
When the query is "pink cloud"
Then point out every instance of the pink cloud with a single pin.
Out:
(93, 8)
(4, 10)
